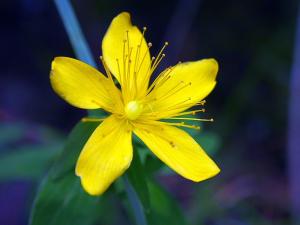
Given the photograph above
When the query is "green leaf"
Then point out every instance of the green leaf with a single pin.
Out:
(63, 202)
(137, 177)
(77, 139)
(153, 164)
(28, 162)
(61, 199)
(164, 209)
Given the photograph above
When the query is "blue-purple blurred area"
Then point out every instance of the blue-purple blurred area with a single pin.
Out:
(253, 43)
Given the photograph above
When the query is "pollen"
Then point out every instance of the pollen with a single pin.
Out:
(133, 110)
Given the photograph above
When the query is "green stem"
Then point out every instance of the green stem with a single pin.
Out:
(135, 202)
(74, 32)
(83, 53)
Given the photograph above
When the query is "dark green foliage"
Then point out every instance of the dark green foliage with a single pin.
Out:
(137, 177)
(164, 209)
(63, 202)
(61, 199)
(28, 162)
(68, 158)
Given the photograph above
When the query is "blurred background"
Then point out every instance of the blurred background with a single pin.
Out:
(254, 43)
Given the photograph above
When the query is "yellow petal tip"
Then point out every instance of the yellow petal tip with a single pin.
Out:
(94, 190)
(122, 17)
(213, 63)
(88, 183)
(213, 171)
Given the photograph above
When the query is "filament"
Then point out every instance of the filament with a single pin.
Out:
(87, 119)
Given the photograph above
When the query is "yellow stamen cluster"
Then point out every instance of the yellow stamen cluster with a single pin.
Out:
(133, 107)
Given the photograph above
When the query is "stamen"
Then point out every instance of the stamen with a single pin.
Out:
(124, 63)
(145, 80)
(177, 109)
(182, 124)
(156, 62)
(158, 58)
(135, 63)
(174, 90)
(201, 102)
(180, 105)
(137, 57)
(193, 112)
(106, 69)
(138, 49)
(191, 119)
(167, 110)
(149, 46)
(87, 119)
(119, 70)
(125, 75)
(158, 82)
(128, 80)
(162, 78)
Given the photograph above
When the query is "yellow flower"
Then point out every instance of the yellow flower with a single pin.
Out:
(136, 107)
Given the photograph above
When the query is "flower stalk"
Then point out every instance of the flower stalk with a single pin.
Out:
(77, 39)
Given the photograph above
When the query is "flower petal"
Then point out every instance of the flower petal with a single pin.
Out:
(178, 150)
(114, 48)
(105, 156)
(187, 84)
(81, 85)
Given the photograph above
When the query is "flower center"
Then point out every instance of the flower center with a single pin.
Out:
(133, 110)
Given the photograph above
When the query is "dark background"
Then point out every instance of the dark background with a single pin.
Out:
(253, 41)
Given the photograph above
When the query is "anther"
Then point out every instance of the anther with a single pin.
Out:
(149, 44)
